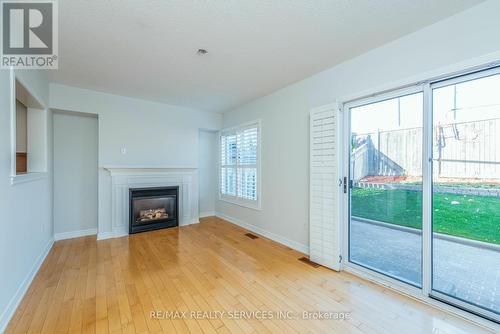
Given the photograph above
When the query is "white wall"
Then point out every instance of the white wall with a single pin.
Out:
(37, 140)
(207, 172)
(22, 127)
(75, 174)
(26, 208)
(153, 134)
(285, 113)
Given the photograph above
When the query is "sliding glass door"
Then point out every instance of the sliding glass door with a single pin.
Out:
(385, 229)
(423, 190)
(466, 192)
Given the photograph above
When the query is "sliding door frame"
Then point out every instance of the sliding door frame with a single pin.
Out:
(425, 293)
(415, 89)
(455, 301)
(427, 190)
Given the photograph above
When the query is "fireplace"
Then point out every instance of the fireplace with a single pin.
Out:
(153, 208)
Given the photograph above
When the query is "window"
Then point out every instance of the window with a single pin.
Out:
(239, 165)
(29, 135)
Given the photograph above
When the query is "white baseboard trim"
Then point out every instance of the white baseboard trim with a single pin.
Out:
(75, 234)
(194, 221)
(112, 234)
(105, 235)
(270, 235)
(23, 288)
(207, 214)
(189, 222)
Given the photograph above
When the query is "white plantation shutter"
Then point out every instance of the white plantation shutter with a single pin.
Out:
(247, 162)
(324, 218)
(228, 164)
(239, 172)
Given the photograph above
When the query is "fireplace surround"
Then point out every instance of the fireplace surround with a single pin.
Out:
(122, 178)
(153, 208)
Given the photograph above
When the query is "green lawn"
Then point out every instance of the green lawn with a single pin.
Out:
(474, 217)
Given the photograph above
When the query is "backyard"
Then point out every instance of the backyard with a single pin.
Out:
(468, 216)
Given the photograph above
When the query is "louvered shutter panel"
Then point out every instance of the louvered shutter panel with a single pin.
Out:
(324, 218)
(247, 163)
(228, 164)
(239, 162)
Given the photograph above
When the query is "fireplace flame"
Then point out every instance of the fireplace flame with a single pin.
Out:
(152, 214)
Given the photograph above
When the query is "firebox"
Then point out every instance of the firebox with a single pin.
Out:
(153, 208)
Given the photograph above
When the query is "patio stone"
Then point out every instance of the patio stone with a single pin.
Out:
(465, 271)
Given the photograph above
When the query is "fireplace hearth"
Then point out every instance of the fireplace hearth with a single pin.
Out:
(153, 208)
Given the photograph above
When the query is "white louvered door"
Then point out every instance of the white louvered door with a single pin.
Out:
(324, 217)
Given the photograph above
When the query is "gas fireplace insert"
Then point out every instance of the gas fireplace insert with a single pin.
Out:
(153, 208)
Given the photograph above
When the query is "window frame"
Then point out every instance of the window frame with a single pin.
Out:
(42, 173)
(346, 201)
(243, 202)
(425, 83)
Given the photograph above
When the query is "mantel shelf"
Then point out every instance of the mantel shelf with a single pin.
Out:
(132, 168)
(149, 170)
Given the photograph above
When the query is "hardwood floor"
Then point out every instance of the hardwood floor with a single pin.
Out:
(112, 286)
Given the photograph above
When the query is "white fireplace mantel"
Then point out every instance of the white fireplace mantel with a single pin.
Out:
(124, 178)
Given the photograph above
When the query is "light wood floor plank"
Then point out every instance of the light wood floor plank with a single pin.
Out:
(115, 285)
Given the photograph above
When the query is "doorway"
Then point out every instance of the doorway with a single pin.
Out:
(423, 202)
(75, 174)
(385, 230)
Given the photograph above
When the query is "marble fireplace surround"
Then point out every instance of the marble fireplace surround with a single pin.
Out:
(124, 178)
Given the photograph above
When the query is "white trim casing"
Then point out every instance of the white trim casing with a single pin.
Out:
(28, 177)
(207, 214)
(241, 202)
(13, 125)
(75, 234)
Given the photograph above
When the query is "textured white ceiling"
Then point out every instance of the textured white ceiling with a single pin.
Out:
(147, 48)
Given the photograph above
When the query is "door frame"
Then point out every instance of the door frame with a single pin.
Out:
(346, 172)
(425, 294)
(96, 116)
(455, 301)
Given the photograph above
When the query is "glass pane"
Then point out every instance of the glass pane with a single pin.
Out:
(147, 210)
(247, 147)
(228, 150)
(228, 181)
(248, 183)
(385, 228)
(466, 192)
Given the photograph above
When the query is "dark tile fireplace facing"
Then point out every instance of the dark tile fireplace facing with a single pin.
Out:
(153, 208)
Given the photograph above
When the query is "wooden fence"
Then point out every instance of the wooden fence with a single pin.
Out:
(460, 150)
